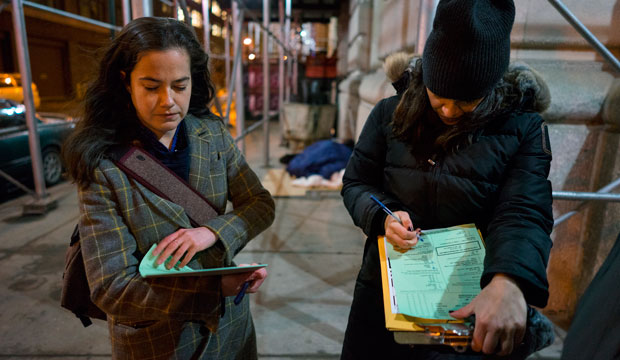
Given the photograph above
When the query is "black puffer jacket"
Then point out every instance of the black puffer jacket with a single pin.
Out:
(499, 182)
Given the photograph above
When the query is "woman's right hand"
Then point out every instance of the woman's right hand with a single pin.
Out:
(183, 242)
(232, 284)
(399, 235)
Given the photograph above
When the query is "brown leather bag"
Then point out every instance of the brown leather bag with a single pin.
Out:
(75, 294)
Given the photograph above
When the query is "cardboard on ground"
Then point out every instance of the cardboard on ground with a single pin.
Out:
(279, 183)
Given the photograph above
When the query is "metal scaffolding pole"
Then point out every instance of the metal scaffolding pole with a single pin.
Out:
(237, 71)
(231, 79)
(17, 183)
(70, 15)
(281, 63)
(206, 24)
(187, 17)
(287, 43)
(112, 16)
(126, 12)
(266, 82)
(227, 54)
(141, 8)
(295, 73)
(604, 190)
(147, 8)
(586, 34)
(41, 202)
(425, 23)
(587, 196)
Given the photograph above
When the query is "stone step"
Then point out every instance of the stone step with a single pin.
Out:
(578, 89)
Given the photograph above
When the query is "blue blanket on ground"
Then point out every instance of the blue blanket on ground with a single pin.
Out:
(324, 157)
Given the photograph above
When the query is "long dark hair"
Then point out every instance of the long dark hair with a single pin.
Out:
(108, 115)
(410, 117)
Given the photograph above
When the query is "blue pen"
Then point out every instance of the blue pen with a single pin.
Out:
(389, 212)
(241, 293)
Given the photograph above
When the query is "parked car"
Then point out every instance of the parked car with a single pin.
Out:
(11, 88)
(15, 152)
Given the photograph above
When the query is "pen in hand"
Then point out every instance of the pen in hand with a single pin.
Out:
(390, 213)
(241, 293)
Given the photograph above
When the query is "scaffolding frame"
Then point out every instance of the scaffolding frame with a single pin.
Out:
(604, 193)
(234, 78)
(238, 9)
(42, 203)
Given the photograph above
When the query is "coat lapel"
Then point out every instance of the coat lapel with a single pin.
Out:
(199, 154)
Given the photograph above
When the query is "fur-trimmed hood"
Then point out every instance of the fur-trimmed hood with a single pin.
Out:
(527, 85)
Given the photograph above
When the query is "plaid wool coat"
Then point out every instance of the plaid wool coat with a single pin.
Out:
(181, 317)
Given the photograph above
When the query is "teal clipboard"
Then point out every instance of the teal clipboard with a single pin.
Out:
(150, 268)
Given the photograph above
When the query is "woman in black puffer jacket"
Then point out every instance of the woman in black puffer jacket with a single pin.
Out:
(462, 142)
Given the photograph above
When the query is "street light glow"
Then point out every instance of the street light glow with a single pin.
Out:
(251, 56)
(247, 41)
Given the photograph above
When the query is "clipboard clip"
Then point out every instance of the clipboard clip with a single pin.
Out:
(456, 335)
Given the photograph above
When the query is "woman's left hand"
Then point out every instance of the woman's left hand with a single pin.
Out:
(184, 241)
(232, 284)
(501, 315)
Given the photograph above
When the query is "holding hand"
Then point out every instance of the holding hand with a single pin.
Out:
(184, 241)
(402, 237)
(501, 315)
(232, 284)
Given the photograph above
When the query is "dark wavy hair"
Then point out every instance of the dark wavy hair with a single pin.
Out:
(108, 115)
(410, 117)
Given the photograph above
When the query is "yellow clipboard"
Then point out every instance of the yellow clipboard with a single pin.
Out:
(393, 322)
(418, 331)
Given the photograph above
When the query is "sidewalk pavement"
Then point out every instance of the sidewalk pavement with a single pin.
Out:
(313, 250)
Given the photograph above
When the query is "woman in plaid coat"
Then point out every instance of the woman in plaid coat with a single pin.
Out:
(152, 91)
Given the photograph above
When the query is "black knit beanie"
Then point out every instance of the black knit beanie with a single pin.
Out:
(468, 50)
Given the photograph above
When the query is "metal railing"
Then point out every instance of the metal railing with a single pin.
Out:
(604, 194)
(586, 34)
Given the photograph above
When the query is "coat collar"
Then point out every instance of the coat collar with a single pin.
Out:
(200, 139)
(196, 126)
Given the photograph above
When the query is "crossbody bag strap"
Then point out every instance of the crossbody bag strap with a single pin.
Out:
(155, 176)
